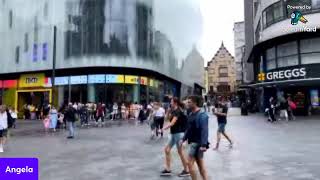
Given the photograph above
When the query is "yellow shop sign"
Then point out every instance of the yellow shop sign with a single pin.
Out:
(32, 80)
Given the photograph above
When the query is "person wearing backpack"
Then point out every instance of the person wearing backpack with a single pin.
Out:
(197, 137)
(177, 125)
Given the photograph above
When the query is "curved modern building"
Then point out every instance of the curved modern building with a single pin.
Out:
(283, 43)
(103, 51)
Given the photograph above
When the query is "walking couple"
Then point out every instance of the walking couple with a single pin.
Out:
(191, 129)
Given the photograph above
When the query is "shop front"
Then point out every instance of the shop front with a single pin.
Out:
(301, 83)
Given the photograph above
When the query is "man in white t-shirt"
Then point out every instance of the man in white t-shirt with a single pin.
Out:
(3, 127)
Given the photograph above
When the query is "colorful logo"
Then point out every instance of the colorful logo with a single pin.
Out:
(262, 76)
(297, 16)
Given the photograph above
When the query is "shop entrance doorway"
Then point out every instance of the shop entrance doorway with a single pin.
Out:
(36, 98)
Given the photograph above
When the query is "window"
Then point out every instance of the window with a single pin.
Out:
(45, 10)
(310, 51)
(223, 70)
(17, 54)
(271, 58)
(257, 33)
(288, 54)
(273, 14)
(26, 42)
(10, 19)
(223, 79)
(315, 4)
(35, 28)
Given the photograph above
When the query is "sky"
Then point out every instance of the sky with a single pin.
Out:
(201, 23)
(219, 17)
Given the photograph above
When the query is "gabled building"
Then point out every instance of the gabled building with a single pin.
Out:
(221, 72)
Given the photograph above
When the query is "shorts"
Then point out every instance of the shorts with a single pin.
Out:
(3, 133)
(194, 151)
(221, 128)
(174, 139)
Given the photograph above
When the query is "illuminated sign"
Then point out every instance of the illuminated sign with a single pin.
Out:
(131, 79)
(99, 78)
(32, 80)
(143, 80)
(78, 79)
(314, 96)
(8, 84)
(283, 74)
(113, 78)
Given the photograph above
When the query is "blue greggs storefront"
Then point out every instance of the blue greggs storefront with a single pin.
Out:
(301, 83)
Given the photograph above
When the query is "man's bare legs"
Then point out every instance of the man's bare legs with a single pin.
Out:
(202, 169)
(192, 171)
(183, 158)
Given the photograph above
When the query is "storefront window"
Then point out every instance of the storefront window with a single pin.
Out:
(310, 51)
(271, 58)
(288, 54)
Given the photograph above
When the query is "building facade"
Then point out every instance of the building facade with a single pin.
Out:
(285, 51)
(221, 72)
(106, 51)
(244, 69)
(193, 73)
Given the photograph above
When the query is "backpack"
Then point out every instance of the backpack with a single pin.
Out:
(292, 105)
(10, 120)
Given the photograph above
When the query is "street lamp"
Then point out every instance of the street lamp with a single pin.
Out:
(54, 62)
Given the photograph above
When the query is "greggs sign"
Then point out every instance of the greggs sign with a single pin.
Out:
(283, 74)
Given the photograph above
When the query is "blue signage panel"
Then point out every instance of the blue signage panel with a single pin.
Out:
(61, 81)
(79, 79)
(97, 79)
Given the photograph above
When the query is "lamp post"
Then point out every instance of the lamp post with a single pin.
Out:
(54, 63)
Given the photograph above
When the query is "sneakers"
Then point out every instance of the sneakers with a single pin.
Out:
(70, 137)
(184, 174)
(166, 173)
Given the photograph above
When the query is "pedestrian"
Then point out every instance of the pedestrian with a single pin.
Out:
(283, 109)
(197, 137)
(114, 111)
(123, 112)
(4, 125)
(292, 106)
(14, 116)
(177, 125)
(83, 113)
(271, 110)
(71, 119)
(100, 114)
(159, 114)
(53, 118)
(221, 112)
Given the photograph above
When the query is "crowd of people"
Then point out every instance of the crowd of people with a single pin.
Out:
(186, 121)
(281, 109)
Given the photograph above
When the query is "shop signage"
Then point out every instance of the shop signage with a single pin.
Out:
(283, 74)
(8, 83)
(143, 80)
(114, 78)
(314, 95)
(32, 80)
(97, 79)
(129, 79)
(151, 82)
(78, 80)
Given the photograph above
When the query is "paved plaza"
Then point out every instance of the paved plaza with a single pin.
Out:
(262, 151)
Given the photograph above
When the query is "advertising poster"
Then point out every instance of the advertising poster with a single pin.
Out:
(79, 80)
(114, 78)
(129, 79)
(97, 79)
(314, 95)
